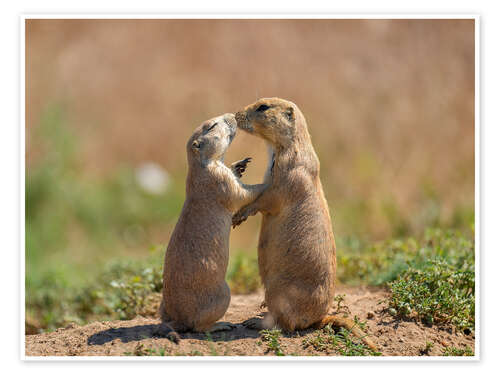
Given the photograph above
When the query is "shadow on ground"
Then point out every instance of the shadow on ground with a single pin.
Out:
(142, 332)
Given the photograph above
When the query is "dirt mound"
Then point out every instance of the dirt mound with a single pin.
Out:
(135, 337)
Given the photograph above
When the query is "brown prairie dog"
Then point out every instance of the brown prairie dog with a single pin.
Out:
(195, 294)
(296, 250)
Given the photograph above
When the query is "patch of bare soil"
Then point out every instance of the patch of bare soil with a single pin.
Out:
(393, 336)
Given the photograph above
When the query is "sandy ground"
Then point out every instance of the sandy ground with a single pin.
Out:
(393, 336)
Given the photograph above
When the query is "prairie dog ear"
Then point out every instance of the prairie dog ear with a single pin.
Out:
(289, 114)
(196, 145)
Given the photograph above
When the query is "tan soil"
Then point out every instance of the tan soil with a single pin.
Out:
(393, 336)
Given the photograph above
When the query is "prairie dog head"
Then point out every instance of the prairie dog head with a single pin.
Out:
(272, 119)
(211, 139)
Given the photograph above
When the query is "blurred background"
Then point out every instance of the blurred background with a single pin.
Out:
(110, 105)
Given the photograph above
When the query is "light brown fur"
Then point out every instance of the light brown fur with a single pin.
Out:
(296, 249)
(195, 294)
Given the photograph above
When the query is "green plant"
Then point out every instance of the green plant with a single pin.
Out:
(343, 342)
(271, 338)
(457, 352)
(211, 346)
(120, 290)
(141, 350)
(341, 306)
(382, 262)
(428, 346)
(439, 293)
(130, 293)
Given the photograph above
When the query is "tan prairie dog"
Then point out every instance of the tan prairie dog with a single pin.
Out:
(296, 249)
(195, 294)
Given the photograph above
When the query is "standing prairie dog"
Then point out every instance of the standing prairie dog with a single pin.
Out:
(195, 294)
(296, 249)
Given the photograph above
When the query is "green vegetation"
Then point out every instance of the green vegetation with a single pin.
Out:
(271, 338)
(211, 346)
(457, 352)
(436, 282)
(431, 279)
(427, 348)
(377, 263)
(380, 263)
(141, 350)
(121, 290)
(342, 342)
(437, 293)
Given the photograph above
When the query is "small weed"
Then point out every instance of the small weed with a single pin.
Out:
(343, 342)
(428, 346)
(213, 350)
(320, 342)
(352, 346)
(457, 352)
(271, 338)
(360, 323)
(211, 346)
(341, 306)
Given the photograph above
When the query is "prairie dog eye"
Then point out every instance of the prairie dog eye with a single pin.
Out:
(289, 114)
(211, 127)
(262, 108)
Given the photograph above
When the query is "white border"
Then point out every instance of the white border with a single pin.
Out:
(275, 16)
(22, 183)
(477, 186)
(477, 213)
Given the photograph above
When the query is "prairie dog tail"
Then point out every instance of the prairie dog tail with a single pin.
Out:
(349, 324)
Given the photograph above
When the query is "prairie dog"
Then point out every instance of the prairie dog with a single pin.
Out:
(296, 251)
(195, 294)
